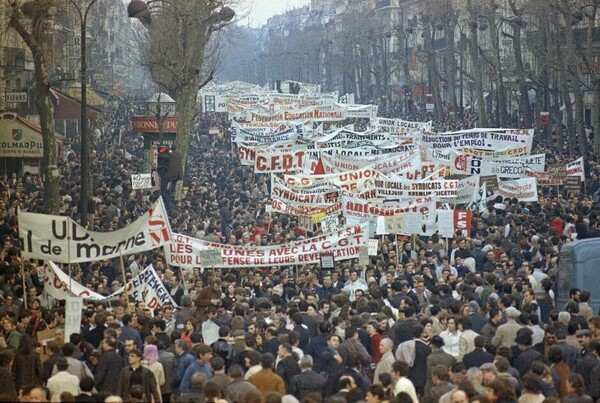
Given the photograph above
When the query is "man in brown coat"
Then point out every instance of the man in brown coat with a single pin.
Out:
(266, 380)
(208, 296)
(135, 374)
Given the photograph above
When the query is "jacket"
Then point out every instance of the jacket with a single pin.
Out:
(27, 369)
(149, 386)
(203, 301)
(267, 381)
(107, 371)
(235, 391)
(7, 386)
(168, 362)
(506, 334)
(305, 383)
(287, 368)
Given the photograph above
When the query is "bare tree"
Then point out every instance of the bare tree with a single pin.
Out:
(31, 20)
(175, 52)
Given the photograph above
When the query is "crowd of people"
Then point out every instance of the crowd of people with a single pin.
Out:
(468, 319)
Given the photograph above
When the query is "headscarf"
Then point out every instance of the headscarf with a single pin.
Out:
(151, 353)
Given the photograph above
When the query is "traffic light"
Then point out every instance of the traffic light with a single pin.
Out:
(162, 153)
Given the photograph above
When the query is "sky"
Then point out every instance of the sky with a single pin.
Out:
(261, 10)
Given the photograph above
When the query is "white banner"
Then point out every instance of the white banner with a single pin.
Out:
(59, 285)
(423, 222)
(60, 239)
(280, 206)
(73, 309)
(278, 160)
(504, 168)
(484, 139)
(393, 163)
(350, 180)
(523, 189)
(575, 168)
(467, 188)
(145, 287)
(399, 126)
(442, 188)
(345, 244)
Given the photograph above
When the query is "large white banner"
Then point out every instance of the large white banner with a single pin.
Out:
(442, 188)
(60, 239)
(145, 287)
(399, 126)
(484, 139)
(393, 163)
(505, 168)
(280, 206)
(350, 180)
(523, 189)
(279, 160)
(357, 209)
(59, 285)
(345, 244)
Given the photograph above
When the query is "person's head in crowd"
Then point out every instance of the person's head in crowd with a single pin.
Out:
(33, 393)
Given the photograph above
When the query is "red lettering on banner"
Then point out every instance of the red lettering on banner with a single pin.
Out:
(462, 220)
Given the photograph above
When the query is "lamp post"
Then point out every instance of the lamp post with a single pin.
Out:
(85, 138)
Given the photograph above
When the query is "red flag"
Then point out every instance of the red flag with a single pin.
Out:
(319, 168)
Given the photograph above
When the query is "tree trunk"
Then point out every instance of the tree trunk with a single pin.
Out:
(186, 110)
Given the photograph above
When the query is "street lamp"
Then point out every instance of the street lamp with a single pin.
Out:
(85, 139)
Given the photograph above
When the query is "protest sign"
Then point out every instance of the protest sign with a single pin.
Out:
(506, 168)
(73, 308)
(572, 184)
(523, 189)
(575, 168)
(350, 180)
(373, 246)
(141, 181)
(61, 239)
(278, 160)
(483, 139)
(441, 188)
(210, 257)
(147, 287)
(363, 256)
(345, 244)
(330, 223)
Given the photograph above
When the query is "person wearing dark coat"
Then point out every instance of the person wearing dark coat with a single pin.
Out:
(417, 373)
(106, 373)
(302, 330)
(95, 336)
(402, 330)
(271, 343)
(287, 367)
(27, 366)
(136, 374)
(308, 381)
(7, 385)
(53, 352)
(129, 332)
(479, 356)
(317, 344)
(528, 354)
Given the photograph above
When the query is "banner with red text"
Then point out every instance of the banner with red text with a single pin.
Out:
(523, 189)
(345, 244)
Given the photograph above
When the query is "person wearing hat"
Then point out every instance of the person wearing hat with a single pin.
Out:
(136, 374)
(437, 357)
(63, 381)
(506, 333)
(527, 353)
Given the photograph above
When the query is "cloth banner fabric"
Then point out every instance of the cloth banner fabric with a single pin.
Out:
(61, 239)
(73, 309)
(523, 189)
(484, 139)
(146, 287)
(344, 243)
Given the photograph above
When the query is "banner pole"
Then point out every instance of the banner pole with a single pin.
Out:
(397, 250)
(122, 264)
(23, 281)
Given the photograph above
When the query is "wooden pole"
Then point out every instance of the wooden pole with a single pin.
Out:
(122, 264)
(23, 281)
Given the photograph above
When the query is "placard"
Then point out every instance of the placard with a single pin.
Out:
(373, 247)
(210, 257)
(363, 256)
(330, 223)
(73, 308)
(327, 260)
(491, 183)
(572, 184)
(395, 224)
